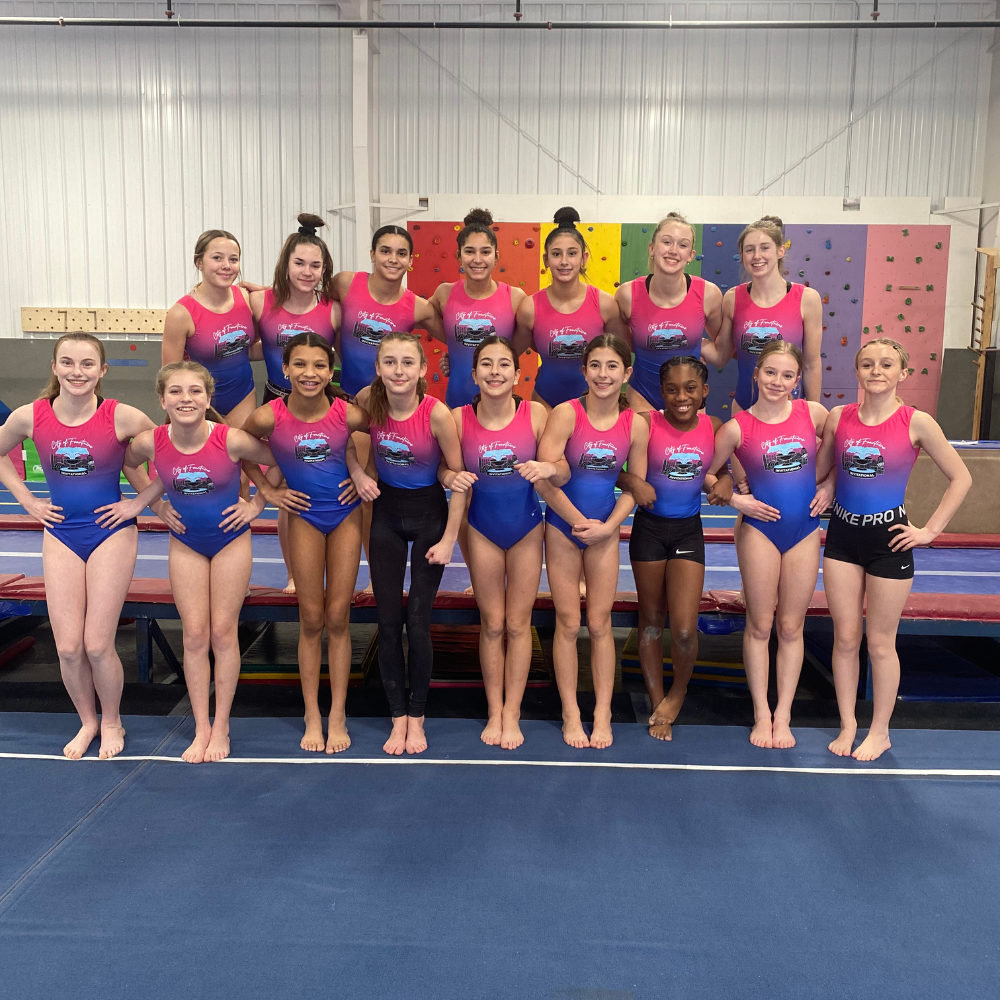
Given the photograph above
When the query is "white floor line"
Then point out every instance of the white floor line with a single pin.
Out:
(861, 771)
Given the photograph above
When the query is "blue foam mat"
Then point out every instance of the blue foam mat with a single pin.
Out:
(273, 881)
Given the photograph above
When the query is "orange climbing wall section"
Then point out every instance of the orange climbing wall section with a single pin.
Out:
(906, 274)
(434, 262)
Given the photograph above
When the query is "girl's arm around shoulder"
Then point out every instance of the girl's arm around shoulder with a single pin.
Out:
(342, 284)
(525, 320)
(558, 429)
(637, 447)
(129, 421)
(428, 318)
(177, 327)
(443, 429)
(820, 414)
(824, 457)
(257, 304)
(623, 298)
(517, 296)
(611, 315)
(242, 446)
(727, 439)
(140, 449)
(260, 423)
(357, 418)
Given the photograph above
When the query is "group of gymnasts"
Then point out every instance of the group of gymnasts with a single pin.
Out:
(618, 402)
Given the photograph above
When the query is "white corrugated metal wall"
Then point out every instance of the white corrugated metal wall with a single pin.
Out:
(119, 146)
(685, 112)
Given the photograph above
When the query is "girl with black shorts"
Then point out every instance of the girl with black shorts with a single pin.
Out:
(667, 546)
(868, 554)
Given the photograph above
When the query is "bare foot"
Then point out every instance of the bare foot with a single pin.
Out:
(218, 745)
(492, 733)
(583, 587)
(660, 722)
(511, 736)
(289, 588)
(600, 737)
(195, 753)
(469, 592)
(396, 743)
(661, 730)
(872, 747)
(844, 743)
(781, 735)
(313, 738)
(338, 740)
(760, 735)
(416, 741)
(78, 746)
(368, 588)
(574, 734)
(112, 741)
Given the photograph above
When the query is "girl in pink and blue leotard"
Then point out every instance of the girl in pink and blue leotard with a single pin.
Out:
(499, 433)
(198, 459)
(777, 543)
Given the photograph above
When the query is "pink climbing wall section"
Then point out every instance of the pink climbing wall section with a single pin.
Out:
(906, 275)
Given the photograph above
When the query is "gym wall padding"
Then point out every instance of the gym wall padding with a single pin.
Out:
(979, 513)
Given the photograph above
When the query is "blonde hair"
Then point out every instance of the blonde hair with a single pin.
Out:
(666, 220)
(780, 347)
(378, 400)
(904, 356)
(51, 389)
(770, 225)
(163, 377)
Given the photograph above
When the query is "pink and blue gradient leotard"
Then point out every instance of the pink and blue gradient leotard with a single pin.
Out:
(277, 327)
(200, 487)
(504, 506)
(406, 452)
(82, 467)
(780, 463)
(467, 323)
(311, 457)
(595, 460)
(677, 463)
(561, 339)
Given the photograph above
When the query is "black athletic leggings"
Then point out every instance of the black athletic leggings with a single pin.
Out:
(400, 516)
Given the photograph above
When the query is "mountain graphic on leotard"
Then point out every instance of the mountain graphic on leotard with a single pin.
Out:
(193, 484)
(312, 450)
(395, 452)
(286, 335)
(682, 466)
(666, 340)
(789, 456)
(371, 331)
(231, 342)
(497, 462)
(598, 459)
(72, 461)
(863, 461)
(473, 330)
(757, 338)
(567, 345)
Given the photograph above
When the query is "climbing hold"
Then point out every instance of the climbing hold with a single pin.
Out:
(826, 300)
(719, 243)
(933, 357)
(725, 406)
(732, 395)
(604, 258)
(638, 272)
(436, 240)
(866, 329)
(713, 229)
(521, 283)
(808, 230)
(436, 270)
(437, 350)
(840, 395)
(822, 354)
(847, 288)
(843, 342)
(848, 260)
(516, 243)
(937, 246)
(920, 329)
(920, 260)
(908, 302)
(806, 283)
(719, 370)
(833, 314)
(824, 327)
(699, 257)
(878, 328)
(496, 229)
(888, 288)
(542, 271)
(785, 273)
(590, 229)
(416, 227)
(910, 371)
(808, 258)
(930, 288)
(444, 256)
(644, 229)
(534, 229)
(855, 301)
(826, 272)
(899, 315)
(458, 229)
(617, 283)
(826, 395)
(725, 286)
(906, 232)
(923, 371)
(829, 245)
(802, 274)
(736, 256)
(502, 269)
(624, 243)
(906, 329)
(437, 377)
(890, 258)
(829, 368)
(717, 271)
(529, 243)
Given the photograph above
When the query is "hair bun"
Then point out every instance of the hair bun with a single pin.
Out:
(479, 216)
(774, 219)
(309, 223)
(566, 218)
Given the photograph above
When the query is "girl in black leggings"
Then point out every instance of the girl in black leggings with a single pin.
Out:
(411, 433)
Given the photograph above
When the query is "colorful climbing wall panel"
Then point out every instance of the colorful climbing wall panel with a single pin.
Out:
(873, 279)
(831, 259)
(905, 280)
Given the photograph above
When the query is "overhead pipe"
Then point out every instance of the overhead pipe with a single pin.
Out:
(519, 25)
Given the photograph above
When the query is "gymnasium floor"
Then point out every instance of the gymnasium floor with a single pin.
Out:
(464, 875)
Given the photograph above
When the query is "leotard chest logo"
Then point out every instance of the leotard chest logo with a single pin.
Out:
(396, 451)
(370, 328)
(230, 340)
(598, 456)
(192, 481)
(472, 329)
(756, 338)
(311, 447)
(568, 342)
(666, 340)
(863, 459)
(285, 334)
(785, 455)
(72, 458)
(682, 465)
(497, 459)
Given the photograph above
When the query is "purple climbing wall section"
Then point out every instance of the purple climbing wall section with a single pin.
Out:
(831, 259)
(905, 279)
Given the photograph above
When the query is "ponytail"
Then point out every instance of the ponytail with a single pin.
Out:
(378, 399)
(51, 389)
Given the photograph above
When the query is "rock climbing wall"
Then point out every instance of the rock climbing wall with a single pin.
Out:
(872, 279)
(831, 259)
(905, 280)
